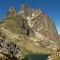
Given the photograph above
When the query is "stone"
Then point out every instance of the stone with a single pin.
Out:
(8, 47)
(30, 28)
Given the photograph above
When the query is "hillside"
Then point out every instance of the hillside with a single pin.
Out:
(30, 29)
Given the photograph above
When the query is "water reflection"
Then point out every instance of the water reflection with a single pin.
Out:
(36, 57)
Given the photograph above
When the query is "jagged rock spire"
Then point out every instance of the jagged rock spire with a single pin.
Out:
(24, 7)
(12, 10)
(36, 20)
(25, 11)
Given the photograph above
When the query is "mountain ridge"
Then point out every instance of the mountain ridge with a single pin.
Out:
(30, 29)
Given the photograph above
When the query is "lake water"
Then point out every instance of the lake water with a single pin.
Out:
(36, 57)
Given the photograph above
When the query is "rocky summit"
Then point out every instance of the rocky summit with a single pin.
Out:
(31, 29)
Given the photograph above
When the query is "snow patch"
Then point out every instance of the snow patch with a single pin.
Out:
(33, 14)
(20, 12)
(28, 18)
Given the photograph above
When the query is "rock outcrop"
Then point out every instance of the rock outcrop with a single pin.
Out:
(8, 50)
(33, 20)
(4, 56)
(30, 29)
(59, 36)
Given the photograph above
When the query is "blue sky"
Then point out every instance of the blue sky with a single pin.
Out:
(49, 7)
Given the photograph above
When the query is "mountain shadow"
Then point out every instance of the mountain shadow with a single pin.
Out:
(9, 57)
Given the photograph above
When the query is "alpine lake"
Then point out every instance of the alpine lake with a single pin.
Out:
(37, 57)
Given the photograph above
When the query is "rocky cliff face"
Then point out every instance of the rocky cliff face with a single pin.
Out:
(40, 23)
(8, 50)
(33, 20)
(59, 36)
(31, 29)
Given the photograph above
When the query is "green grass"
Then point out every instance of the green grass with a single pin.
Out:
(58, 59)
(26, 51)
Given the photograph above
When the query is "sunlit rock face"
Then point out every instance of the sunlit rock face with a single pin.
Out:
(11, 12)
(43, 25)
(2, 57)
(39, 22)
(33, 22)
(30, 28)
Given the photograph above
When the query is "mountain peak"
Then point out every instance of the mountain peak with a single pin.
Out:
(35, 19)
(11, 12)
(30, 29)
(12, 9)
(23, 6)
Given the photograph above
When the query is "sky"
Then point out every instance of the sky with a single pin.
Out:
(49, 7)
